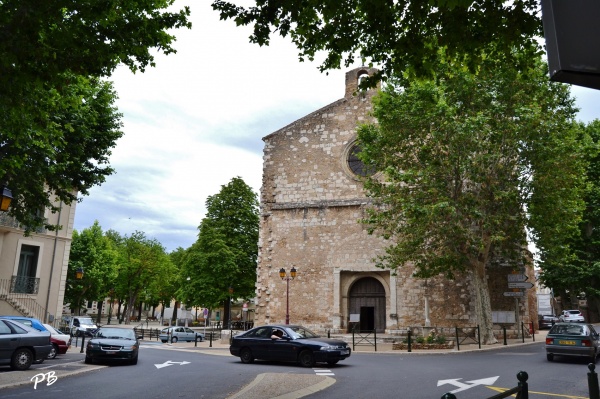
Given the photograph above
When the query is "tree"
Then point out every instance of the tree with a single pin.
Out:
(225, 254)
(62, 148)
(95, 255)
(58, 121)
(580, 274)
(468, 162)
(394, 35)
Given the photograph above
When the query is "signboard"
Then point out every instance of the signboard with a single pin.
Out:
(522, 284)
(205, 312)
(499, 316)
(513, 278)
(354, 317)
(514, 293)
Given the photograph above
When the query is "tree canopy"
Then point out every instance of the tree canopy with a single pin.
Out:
(58, 120)
(468, 162)
(395, 36)
(225, 254)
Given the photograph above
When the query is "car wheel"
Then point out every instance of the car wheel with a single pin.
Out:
(199, 338)
(173, 340)
(332, 362)
(164, 341)
(88, 360)
(53, 352)
(133, 361)
(306, 358)
(21, 359)
(246, 356)
(549, 356)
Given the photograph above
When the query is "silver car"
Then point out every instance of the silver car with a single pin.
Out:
(174, 334)
(21, 345)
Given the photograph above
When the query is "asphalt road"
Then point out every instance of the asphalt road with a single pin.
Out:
(164, 371)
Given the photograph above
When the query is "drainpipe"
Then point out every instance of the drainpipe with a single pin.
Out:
(52, 264)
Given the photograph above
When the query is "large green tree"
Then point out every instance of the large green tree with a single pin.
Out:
(58, 121)
(580, 274)
(225, 254)
(394, 35)
(96, 255)
(468, 162)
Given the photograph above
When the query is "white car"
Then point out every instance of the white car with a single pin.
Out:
(174, 334)
(60, 342)
(571, 316)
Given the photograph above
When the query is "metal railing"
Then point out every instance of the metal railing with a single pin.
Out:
(364, 338)
(17, 292)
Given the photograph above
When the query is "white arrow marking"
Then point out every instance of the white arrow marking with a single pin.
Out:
(462, 386)
(170, 363)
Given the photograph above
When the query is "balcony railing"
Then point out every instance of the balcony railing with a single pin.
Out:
(24, 285)
(9, 221)
(18, 292)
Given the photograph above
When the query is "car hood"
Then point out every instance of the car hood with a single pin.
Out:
(322, 341)
(112, 341)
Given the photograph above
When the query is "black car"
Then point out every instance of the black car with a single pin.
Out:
(21, 345)
(546, 321)
(113, 343)
(288, 343)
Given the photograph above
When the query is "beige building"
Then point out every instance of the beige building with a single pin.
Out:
(33, 269)
(311, 201)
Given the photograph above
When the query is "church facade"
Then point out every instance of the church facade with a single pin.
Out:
(312, 200)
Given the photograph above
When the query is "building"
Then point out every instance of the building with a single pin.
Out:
(311, 201)
(33, 269)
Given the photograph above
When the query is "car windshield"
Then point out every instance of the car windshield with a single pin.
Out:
(563, 329)
(115, 333)
(298, 332)
(86, 320)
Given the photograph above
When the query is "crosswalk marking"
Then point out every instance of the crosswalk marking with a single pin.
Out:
(319, 371)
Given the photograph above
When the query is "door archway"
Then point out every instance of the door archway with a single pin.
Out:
(367, 299)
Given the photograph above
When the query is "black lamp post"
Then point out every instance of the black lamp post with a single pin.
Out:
(112, 294)
(79, 276)
(284, 276)
(5, 198)
(229, 307)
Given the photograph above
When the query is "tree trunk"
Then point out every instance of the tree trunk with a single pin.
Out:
(99, 316)
(483, 306)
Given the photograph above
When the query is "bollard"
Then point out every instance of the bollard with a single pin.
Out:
(409, 343)
(457, 341)
(210, 342)
(196, 341)
(82, 343)
(593, 382)
(523, 331)
(504, 329)
(522, 376)
(449, 395)
(532, 331)
(479, 336)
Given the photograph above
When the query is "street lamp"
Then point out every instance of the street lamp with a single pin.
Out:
(112, 294)
(229, 306)
(5, 198)
(284, 276)
(79, 276)
(185, 314)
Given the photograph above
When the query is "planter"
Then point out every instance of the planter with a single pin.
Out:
(404, 346)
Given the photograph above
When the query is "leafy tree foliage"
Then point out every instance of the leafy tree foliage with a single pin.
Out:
(58, 121)
(95, 254)
(580, 274)
(468, 161)
(394, 35)
(225, 254)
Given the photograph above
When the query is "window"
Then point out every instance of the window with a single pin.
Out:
(25, 281)
(356, 165)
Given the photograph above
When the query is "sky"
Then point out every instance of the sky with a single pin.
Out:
(197, 119)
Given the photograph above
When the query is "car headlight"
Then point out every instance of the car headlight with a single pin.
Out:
(90, 345)
(329, 348)
(130, 347)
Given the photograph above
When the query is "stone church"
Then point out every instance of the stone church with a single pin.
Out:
(312, 200)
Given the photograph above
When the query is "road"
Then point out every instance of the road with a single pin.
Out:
(166, 372)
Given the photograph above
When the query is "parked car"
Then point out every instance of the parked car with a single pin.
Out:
(82, 325)
(567, 339)
(21, 345)
(296, 344)
(174, 334)
(571, 316)
(113, 343)
(60, 341)
(546, 321)
(28, 321)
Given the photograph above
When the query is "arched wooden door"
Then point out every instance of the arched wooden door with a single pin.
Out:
(367, 299)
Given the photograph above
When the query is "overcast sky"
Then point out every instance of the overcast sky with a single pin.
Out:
(197, 119)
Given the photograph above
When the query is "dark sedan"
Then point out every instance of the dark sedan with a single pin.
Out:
(288, 343)
(21, 345)
(113, 343)
(567, 339)
(547, 321)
